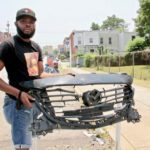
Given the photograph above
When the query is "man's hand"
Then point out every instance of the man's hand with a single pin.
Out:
(25, 99)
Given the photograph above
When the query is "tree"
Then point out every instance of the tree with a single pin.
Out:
(114, 23)
(95, 26)
(142, 21)
(138, 44)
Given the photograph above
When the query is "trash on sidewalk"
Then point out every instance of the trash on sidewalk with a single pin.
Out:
(93, 137)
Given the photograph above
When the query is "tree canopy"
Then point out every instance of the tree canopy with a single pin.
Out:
(114, 23)
(95, 26)
(142, 21)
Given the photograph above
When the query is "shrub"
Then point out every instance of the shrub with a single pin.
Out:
(137, 44)
(89, 60)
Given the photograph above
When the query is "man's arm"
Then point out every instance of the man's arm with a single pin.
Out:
(6, 87)
(24, 97)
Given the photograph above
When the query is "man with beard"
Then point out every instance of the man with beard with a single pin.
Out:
(22, 59)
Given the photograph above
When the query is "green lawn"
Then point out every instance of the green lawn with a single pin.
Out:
(141, 73)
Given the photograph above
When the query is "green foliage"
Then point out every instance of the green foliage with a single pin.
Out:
(79, 55)
(67, 54)
(89, 60)
(143, 19)
(137, 44)
(114, 60)
(128, 59)
(100, 50)
(140, 58)
(141, 73)
(147, 41)
(62, 56)
(95, 26)
(114, 23)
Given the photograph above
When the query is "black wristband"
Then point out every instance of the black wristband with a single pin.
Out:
(19, 95)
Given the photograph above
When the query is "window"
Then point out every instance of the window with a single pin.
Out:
(133, 37)
(101, 40)
(91, 40)
(91, 50)
(110, 40)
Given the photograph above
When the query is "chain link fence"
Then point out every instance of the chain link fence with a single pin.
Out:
(136, 64)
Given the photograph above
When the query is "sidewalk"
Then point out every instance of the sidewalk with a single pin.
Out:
(134, 136)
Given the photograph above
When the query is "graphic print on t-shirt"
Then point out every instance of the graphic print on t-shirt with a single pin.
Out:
(32, 63)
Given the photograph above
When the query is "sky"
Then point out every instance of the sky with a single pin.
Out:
(56, 19)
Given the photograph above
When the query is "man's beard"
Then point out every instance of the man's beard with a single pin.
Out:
(24, 35)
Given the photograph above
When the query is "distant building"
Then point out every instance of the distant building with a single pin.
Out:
(61, 48)
(66, 44)
(82, 42)
(48, 49)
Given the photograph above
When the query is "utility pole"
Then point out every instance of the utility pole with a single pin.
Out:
(8, 25)
(133, 63)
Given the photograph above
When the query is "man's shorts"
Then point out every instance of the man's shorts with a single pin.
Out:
(20, 121)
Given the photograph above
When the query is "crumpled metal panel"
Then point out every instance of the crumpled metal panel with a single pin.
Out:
(90, 109)
(78, 79)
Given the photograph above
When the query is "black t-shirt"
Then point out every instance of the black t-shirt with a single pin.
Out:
(20, 59)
